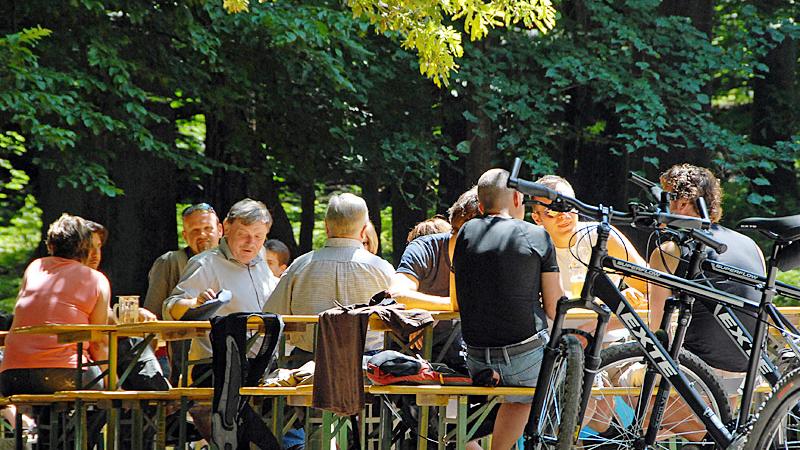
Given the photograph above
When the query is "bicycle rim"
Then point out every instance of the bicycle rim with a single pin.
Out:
(610, 423)
(559, 417)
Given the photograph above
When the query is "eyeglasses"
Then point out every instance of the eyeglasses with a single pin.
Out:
(551, 213)
(198, 207)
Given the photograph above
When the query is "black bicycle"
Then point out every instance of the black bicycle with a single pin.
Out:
(599, 285)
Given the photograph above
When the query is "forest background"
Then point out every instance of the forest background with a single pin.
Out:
(122, 111)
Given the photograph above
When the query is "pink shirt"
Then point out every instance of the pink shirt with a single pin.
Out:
(54, 290)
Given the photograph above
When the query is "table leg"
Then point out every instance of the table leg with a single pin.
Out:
(461, 420)
(112, 362)
(424, 418)
(182, 423)
(137, 428)
(385, 426)
(161, 426)
(81, 440)
(18, 444)
(327, 429)
(442, 427)
(427, 345)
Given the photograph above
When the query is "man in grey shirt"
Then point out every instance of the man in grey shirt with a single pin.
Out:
(342, 272)
(235, 265)
(201, 231)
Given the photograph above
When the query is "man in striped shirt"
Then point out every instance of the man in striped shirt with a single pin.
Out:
(342, 271)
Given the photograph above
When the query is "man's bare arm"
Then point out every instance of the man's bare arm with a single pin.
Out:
(664, 259)
(551, 292)
(404, 289)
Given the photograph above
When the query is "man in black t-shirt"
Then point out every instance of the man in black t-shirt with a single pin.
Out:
(507, 284)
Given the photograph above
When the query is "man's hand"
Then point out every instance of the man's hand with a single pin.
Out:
(205, 296)
(415, 340)
(146, 316)
(636, 298)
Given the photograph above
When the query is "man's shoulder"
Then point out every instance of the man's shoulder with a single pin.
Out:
(430, 243)
(172, 256)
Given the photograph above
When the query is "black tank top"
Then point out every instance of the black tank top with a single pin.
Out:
(705, 337)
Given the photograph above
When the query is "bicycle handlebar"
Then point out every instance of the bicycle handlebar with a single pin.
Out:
(637, 216)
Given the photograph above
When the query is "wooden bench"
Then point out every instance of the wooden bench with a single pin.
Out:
(136, 401)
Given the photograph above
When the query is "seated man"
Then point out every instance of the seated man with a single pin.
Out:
(201, 232)
(423, 277)
(507, 284)
(235, 265)
(342, 271)
(574, 240)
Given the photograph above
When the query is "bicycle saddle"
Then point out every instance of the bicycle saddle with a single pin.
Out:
(784, 229)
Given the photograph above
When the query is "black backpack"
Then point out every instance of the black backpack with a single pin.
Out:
(234, 423)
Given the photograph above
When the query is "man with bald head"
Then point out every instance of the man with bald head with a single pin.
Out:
(507, 284)
(341, 272)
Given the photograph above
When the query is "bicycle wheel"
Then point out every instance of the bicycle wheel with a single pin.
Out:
(777, 426)
(609, 420)
(558, 420)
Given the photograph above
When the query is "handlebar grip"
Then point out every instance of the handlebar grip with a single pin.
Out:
(702, 208)
(514, 171)
(536, 190)
(680, 221)
(709, 241)
(650, 186)
(640, 181)
(528, 187)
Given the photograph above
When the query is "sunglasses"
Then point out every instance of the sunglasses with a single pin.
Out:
(197, 207)
(551, 213)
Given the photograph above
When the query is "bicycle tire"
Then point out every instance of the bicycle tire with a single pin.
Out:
(558, 421)
(619, 361)
(775, 415)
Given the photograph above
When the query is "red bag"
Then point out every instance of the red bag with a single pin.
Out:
(391, 367)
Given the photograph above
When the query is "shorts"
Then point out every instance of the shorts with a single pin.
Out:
(520, 369)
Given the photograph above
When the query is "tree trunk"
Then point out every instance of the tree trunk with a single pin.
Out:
(775, 117)
(370, 190)
(403, 219)
(701, 14)
(308, 197)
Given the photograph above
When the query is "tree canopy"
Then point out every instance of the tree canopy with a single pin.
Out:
(118, 110)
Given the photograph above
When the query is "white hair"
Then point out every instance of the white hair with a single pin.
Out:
(346, 215)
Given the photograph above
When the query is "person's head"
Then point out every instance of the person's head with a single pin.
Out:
(436, 224)
(560, 225)
(495, 197)
(69, 237)
(688, 183)
(201, 227)
(99, 238)
(464, 209)
(346, 217)
(370, 239)
(277, 256)
(246, 227)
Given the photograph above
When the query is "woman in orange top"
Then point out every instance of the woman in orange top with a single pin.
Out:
(57, 289)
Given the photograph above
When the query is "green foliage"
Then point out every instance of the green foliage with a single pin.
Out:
(18, 240)
(422, 24)
(791, 277)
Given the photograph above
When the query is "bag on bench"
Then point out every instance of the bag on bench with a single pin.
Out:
(391, 367)
(234, 423)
